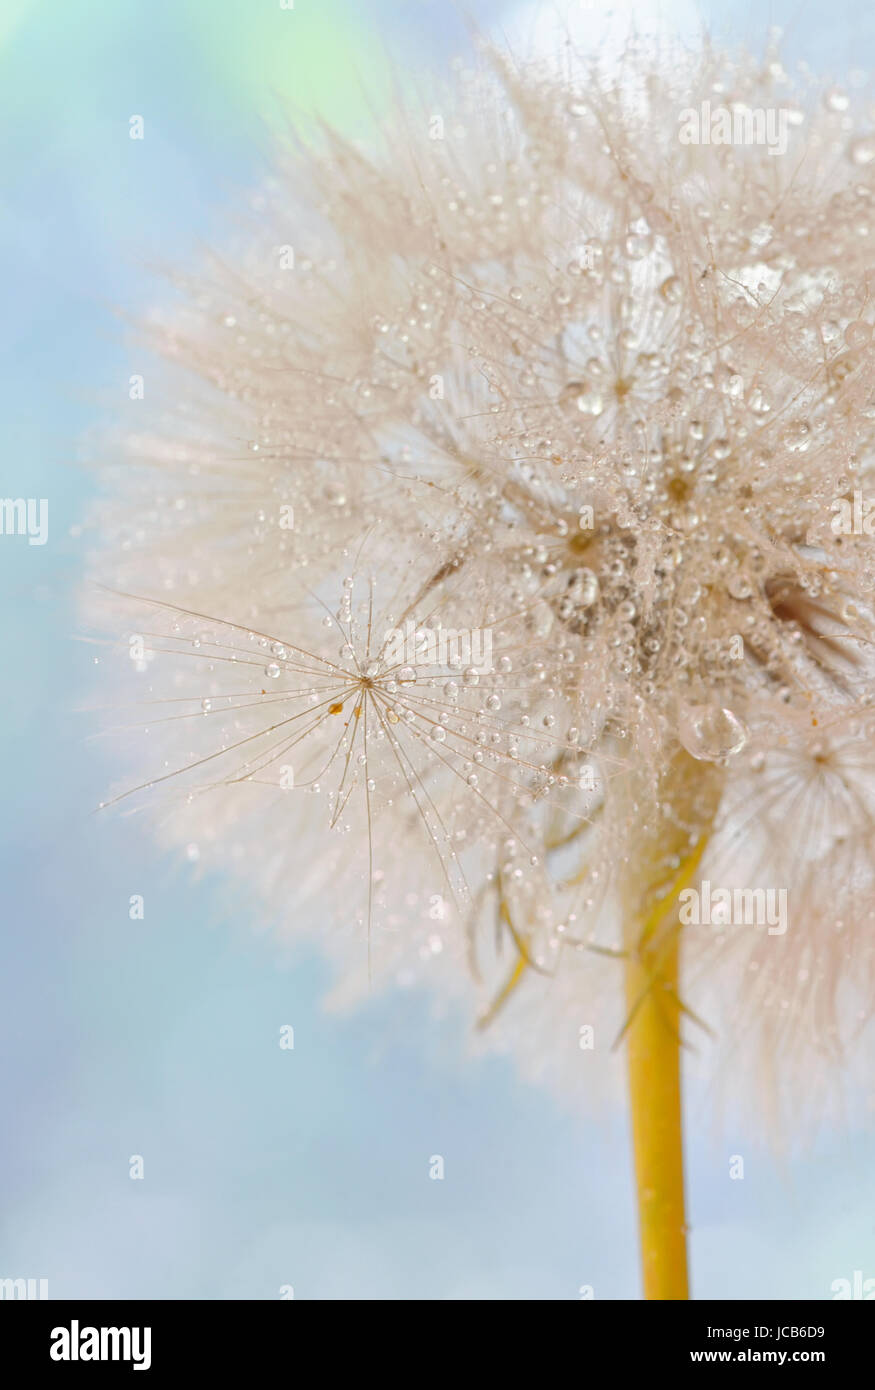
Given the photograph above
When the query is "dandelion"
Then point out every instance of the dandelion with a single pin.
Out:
(566, 380)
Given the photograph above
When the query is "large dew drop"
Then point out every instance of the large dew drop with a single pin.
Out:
(711, 733)
(581, 592)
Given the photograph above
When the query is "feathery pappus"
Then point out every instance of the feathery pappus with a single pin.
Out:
(487, 568)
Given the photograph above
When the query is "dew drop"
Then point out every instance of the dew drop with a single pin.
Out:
(759, 401)
(711, 732)
(858, 333)
(739, 587)
(583, 588)
(671, 290)
(638, 245)
(797, 437)
(590, 403)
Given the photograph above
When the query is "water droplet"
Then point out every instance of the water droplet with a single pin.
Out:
(590, 402)
(858, 333)
(406, 676)
(739, 587)
(583, 588)
(638, 245)
(759, 401)
(711, 732)
(797, 437)
(272, 670)
(671, 290)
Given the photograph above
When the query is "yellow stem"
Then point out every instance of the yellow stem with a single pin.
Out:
(653, 1044)
(670, 853)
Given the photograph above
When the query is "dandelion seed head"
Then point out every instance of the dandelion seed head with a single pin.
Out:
(561, 377)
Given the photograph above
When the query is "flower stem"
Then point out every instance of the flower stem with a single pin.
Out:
(653, 1044)
(671, 851)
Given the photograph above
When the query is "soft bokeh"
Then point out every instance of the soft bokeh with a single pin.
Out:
(160, 1038)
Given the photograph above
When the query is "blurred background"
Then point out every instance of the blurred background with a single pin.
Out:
(266, 1168)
